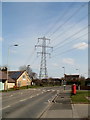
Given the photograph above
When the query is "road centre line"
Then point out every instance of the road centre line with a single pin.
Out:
(23, 100)
(5, 107)
(10, 95)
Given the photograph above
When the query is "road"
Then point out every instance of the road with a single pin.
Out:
(29, 103)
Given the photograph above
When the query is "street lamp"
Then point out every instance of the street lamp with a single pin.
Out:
(64, 70)
(79, 71)
(64, 75)
(8, 61)
(84, 74)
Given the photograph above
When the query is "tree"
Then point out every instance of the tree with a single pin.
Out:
(3, 68)
(31, 74)
(23, 68)
(82, 80)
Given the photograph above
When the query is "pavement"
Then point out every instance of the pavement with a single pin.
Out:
(61, 107)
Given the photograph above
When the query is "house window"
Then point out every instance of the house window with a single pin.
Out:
(24, 78)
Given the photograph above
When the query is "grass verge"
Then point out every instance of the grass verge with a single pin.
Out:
(81, 97)
(25, 87)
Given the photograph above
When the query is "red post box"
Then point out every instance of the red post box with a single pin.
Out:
(74, 89)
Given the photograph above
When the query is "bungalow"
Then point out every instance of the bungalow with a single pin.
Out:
(3, 81)
(21, 78)
(71, 77)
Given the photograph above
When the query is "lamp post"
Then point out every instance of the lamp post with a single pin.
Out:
(79, 71)
(79, 77)
(64, 75)
(8, 62)
(84, 74)
(64, 70)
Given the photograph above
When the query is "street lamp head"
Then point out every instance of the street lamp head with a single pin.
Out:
(16, 45)
(77, 69)
(28, 65)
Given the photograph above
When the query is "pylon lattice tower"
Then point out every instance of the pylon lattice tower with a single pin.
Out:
(43, 66)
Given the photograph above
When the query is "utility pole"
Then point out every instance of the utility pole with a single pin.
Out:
(43, 67)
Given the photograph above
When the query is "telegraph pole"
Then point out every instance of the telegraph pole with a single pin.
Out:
(43, 66)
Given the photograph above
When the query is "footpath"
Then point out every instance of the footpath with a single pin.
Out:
(62, 108)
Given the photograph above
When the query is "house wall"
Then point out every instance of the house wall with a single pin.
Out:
(11, 85)
(24, 80)
(1, 86)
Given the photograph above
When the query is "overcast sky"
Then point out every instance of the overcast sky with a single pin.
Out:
(65, 23)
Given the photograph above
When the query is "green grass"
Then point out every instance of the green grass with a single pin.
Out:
(80, 97)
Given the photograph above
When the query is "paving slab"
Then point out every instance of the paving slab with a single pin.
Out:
(62, 108)
(80, 110)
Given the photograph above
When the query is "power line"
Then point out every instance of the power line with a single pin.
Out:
(63, 15)
(69, 50)
(70, 41)
(30, 56)
(71, 36)
(68, 19)
(70, 27)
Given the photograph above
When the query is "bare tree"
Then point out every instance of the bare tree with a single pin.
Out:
(23, 68)
(3, 68)
(31, 74)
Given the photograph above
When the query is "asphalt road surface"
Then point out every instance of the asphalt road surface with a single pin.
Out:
(29, 103)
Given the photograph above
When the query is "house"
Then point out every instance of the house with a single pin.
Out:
(71, 77)
(87, 82)
(4, 83)
(52, 81)
(21, 78)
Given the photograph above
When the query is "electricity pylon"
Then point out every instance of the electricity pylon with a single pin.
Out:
(43, 67)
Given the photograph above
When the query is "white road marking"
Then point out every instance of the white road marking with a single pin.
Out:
(23, 99)
(30, 97)
(48, 90)
(11, 95)
(34, 89)
(44, 90)
(53, 90)
(5, 107)
(49, 101)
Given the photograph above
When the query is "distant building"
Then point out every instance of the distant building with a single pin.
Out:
(54, 81)
(87, 82)
(71, 77)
